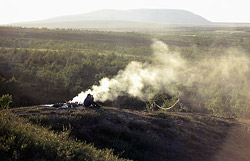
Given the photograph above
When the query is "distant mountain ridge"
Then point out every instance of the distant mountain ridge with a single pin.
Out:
(161, 16)
(109, 19)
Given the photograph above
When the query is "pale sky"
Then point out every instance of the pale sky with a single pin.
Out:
(213, 10)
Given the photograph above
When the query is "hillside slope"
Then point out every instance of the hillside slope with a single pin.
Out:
(137, 19)
(162, 16)
(139, 135)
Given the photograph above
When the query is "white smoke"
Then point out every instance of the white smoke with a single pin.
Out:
(223, 73)
(138, 79)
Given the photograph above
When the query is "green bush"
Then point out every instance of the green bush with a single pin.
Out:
(20, 140)
(5, 101)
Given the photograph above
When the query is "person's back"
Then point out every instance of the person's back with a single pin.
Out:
(88, 100)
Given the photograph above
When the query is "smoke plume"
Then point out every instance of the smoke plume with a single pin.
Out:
(140, 80)
(222, 73)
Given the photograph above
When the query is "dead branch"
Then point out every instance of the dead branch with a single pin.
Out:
(168, 107)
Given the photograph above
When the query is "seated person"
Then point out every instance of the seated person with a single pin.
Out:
(89, 100)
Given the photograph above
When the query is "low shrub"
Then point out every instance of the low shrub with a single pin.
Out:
(21, 140)
(5, 101)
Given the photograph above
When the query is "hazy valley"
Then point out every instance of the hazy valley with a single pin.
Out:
(171, 88)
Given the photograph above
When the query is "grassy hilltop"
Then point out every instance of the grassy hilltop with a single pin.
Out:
(43, 133)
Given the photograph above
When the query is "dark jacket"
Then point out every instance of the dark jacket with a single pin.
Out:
(88, 101)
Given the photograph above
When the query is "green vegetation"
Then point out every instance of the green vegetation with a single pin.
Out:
(48, 133)
(5, 101)
(37, 71)
(20, 140)
(46, 66)
(40, 66)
